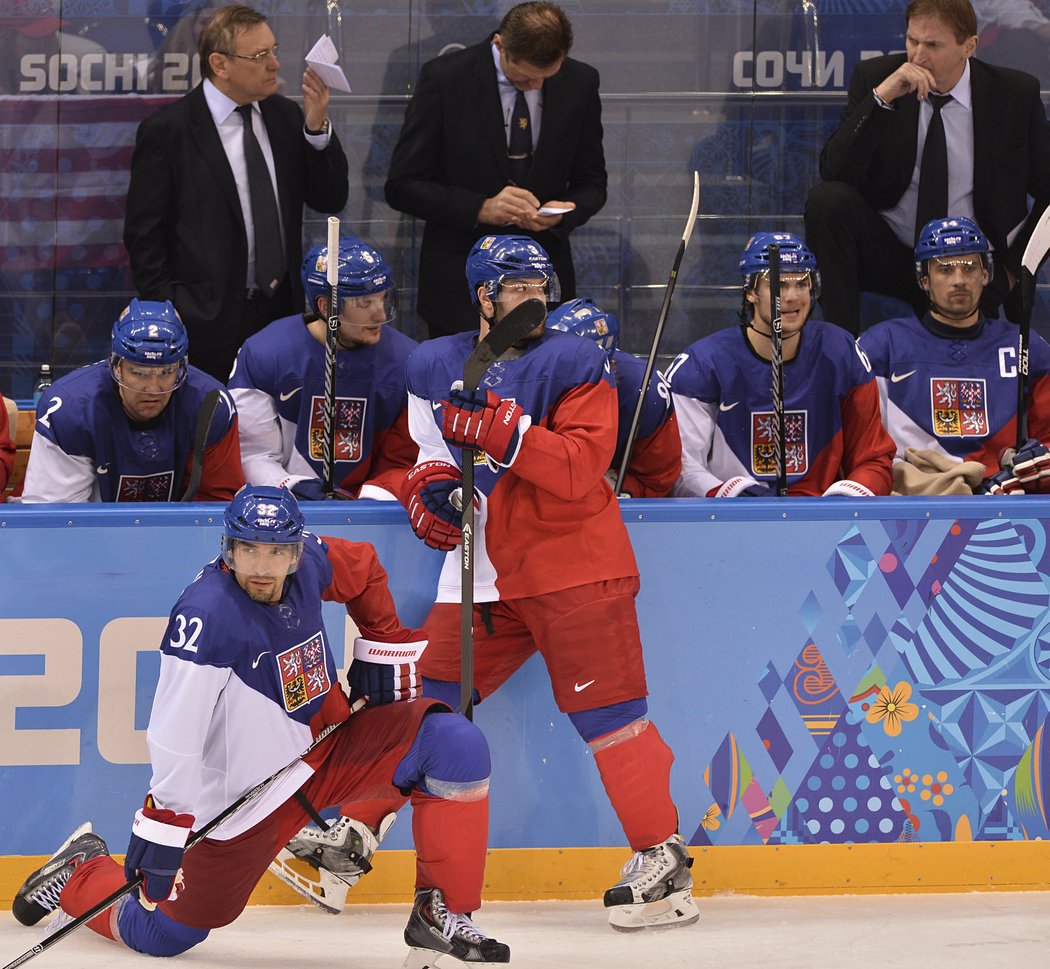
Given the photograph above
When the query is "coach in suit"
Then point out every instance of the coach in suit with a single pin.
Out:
(861, 220)
(193, 227)
(453, 165)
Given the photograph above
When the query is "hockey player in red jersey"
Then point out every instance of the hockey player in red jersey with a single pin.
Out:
(721, 385)
(247, 681)
(541, 431)
(656, 457)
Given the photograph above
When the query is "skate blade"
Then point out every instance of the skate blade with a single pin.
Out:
(676, 909)
(418, 958)
(325, 890)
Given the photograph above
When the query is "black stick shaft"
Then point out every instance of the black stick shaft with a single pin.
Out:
(777, 368)
(331, 335)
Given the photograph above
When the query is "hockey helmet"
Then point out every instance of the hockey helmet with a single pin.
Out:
(583, 318)
(795, 257)
(362, 272)
(494, 259)
(150, 334)
(260, 514)
(942, 238)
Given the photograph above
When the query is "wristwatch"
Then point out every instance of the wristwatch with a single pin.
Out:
(323, 130)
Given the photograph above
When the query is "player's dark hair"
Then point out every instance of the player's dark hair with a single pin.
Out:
(537, 32)
(219, 35)
(956, 15)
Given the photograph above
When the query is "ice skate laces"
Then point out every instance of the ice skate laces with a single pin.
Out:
(456, 925)
(647, 867)
(47, 895)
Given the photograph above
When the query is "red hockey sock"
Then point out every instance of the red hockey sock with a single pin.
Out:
(451, 840)
(637, 777)
(87, 886)
(371, 812)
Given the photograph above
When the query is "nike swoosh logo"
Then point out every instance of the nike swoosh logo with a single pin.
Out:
(898, 377)
(579, 687)
(436, 406)
(259, 657)
(291, 393)
(724, 407)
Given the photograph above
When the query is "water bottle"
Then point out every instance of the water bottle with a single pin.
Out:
(43, 383)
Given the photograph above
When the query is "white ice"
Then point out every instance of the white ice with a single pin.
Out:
(960, 931)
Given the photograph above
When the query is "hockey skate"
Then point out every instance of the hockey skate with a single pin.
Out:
(654, 891)
(323, 866)
(40, 892)
(441, 939)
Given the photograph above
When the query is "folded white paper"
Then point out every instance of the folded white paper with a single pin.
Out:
(322, 58)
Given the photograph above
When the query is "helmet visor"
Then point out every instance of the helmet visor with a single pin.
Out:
(270, 560)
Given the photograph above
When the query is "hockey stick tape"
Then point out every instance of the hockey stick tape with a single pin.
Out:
(390, 654)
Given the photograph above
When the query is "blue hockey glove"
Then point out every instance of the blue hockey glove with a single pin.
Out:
(479, 420)
(158, 839)
(429, 492)
(385, 672)
(1031, 466)
(756, 491)
(741, 487)
(309, 489)
(1001, 483)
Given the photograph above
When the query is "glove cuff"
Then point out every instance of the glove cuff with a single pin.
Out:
(733, 487)
(848, 489)
(161, 832)
(524, 423)
(389, 654)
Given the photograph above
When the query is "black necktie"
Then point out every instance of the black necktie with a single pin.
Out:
(269, 256)
(933, 170)
(519, 147)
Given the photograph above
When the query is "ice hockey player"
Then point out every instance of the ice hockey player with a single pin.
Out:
(123, 429)
(656, 457)
(542, 431)
(247, 681)
(721, 385)
(278, 383)
(948, 382)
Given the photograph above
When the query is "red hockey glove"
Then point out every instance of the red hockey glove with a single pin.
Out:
(429, 492)
(846, 488)
(1031, 466)
(478, 420)
(158, 839)
(385, 672)
(1001, 483)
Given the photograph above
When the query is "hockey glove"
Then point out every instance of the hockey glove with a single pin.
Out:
(478, 420)
(845, 488)
(430, 492)
(1031, 466)
(741, 487)
(309, 489)
(385, 672)
(1001, 483)
(158, 839)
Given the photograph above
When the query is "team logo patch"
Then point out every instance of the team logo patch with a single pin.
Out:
(960, 407)
(349, 428)
(304, 675)
(763, 455)
(145, 487)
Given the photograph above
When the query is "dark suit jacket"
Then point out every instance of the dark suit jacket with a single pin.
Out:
(874, 149)
(184, 229)
(452, 155)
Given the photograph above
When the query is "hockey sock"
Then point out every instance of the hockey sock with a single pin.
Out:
(451, 840)
(636, 773)
(87, 886)
(155, 933)
(371, 812)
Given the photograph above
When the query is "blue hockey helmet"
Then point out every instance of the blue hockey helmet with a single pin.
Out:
(260, 514)
(582, 317)
(943, 238)
(795, 257)
(362, 272)
(150, 334)
(494, 259)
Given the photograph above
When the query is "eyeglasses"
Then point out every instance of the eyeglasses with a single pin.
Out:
(270, 51)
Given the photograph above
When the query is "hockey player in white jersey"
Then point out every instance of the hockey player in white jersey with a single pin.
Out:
(247, 682)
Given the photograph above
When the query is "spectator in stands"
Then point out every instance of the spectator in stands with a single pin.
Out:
(834, 441)
(989, 149)
(948, 382)
(656, 457)
(141, 426)
(278, 383)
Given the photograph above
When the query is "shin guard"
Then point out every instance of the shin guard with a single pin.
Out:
(451, 840)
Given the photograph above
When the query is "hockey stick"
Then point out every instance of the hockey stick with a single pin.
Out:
(515, 326)
(195, 838)
(777, 364)
(200, 441)
(328, 419)
(660, 323)
(1034, 253)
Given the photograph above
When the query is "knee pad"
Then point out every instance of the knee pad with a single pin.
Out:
(592, 724)
(449, 759)
(155, 933)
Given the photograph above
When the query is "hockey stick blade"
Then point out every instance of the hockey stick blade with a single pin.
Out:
(200, 441)
(1038, 243)
(515, 326)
